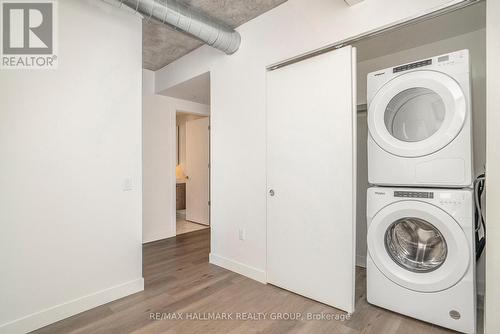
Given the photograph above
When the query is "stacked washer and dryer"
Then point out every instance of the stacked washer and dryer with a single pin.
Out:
(421, 216)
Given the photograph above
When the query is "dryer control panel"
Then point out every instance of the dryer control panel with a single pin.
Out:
(412, 66)
(454, 63)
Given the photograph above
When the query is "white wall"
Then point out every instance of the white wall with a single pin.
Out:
(70, 236)
(476, 43)
(238, 117)
(159, 159)
(492, 295)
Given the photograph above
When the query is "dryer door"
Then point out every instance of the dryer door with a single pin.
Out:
(417, 113)
(418, 246)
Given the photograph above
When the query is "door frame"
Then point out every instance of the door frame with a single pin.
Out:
(421, 17)
(492, 292)
(173, 161)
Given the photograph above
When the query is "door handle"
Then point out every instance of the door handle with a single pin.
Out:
(271, 192)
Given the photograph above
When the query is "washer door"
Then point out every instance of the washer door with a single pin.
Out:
(417, 113)
(418, 246)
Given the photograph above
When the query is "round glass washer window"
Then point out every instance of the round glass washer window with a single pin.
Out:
(415, 245)
(414, 114)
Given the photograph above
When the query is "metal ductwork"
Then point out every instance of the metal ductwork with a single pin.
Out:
(178, 15)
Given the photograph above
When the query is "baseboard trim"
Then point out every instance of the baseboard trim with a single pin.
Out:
(361, 261)
(157, 237)
(238, 267)
(62, 311)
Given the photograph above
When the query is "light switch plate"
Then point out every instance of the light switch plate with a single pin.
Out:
(127, 184)
(242, 234)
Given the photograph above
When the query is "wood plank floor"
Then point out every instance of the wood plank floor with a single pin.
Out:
(179, 279)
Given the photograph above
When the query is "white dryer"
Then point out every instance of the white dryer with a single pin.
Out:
(421, 260)
(419, 121)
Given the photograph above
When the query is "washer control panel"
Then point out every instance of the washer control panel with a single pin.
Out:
(414, 194)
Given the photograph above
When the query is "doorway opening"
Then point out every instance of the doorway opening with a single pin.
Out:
(192, 172)
(463, 31)
(191, 165)
(459, 30)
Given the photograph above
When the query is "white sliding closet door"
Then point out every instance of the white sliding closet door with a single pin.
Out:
(312, 178)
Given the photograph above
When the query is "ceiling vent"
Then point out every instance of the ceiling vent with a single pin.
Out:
(176, 14)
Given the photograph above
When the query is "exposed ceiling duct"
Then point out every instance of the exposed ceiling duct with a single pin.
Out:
(178, 15)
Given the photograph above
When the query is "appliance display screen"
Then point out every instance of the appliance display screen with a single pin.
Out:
(412, 66)
(414, 194)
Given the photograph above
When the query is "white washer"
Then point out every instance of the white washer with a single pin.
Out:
(421, 254)
(419, 121)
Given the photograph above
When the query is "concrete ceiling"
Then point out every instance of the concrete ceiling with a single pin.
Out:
(162, 45)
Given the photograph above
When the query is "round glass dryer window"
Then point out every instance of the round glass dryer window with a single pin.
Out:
(415, 245)
(414, 114)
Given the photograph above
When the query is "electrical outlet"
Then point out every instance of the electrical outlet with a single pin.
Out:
(242, 234)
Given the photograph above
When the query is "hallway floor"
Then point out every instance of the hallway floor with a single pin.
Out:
(180, 282)
(185, 226)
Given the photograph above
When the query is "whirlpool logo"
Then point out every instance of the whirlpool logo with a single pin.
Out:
(28, 34)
